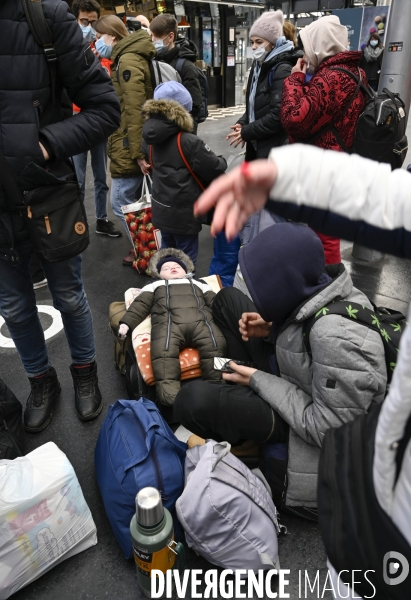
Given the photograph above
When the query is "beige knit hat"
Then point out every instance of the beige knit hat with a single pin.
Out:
(324, 38)
(269, 26)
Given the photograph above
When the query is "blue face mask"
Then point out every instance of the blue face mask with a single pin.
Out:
(159, 46)
(88, 33)
(374, 43)
(103, 49)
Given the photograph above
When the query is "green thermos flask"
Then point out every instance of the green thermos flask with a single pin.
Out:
(152, 536)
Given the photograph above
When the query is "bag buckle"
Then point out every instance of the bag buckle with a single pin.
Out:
(50, 53)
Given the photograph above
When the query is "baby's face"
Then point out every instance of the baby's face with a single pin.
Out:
(172, 270)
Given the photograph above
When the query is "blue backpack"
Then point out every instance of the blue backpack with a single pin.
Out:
(135, 449)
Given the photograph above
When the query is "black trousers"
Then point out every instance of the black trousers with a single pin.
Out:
(226, 412)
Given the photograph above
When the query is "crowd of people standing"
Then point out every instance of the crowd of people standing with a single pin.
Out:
(300, 91)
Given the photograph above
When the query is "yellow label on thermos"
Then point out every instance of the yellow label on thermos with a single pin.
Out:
(146, 561)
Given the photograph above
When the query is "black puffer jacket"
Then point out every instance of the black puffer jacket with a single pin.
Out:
(25, 94)
(188, 72)
(174, 188)
(266, 131)
(181, 317)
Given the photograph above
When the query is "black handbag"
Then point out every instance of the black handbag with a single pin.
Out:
(54, 213)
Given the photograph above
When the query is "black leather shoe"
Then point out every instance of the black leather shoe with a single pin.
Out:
(39, 408)
(87, 394)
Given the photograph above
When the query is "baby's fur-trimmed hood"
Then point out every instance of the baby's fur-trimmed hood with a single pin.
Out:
(171, 110)
(160, 254)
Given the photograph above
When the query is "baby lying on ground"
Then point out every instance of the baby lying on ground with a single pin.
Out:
(181, 317)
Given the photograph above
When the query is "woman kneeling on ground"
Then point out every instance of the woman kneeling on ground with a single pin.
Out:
(294, 393)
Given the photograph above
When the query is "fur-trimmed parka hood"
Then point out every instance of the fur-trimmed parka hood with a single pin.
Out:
(165, 252)
(164, 118)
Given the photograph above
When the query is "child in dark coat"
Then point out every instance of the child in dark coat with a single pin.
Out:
(180, 309)
(170, 146)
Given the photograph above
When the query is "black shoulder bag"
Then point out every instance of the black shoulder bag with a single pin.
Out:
(54, 213)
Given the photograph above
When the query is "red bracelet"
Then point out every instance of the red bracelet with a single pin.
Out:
(245, 169)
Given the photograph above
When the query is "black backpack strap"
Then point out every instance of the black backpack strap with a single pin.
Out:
(388, 323)
(43, 37)
(331, 126)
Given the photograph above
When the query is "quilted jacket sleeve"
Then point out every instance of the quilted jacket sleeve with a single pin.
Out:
(348, 373)
(88, 86)
(139, 309)
(270, 124)
(344, 195)
(132, 86)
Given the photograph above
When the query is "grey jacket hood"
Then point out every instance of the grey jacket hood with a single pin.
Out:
(340, 286)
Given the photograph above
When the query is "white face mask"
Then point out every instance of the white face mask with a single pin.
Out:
(260, 53)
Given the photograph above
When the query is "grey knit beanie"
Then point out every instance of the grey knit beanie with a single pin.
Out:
(269, 26)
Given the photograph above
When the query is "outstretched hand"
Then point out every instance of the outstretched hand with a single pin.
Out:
(237, 195)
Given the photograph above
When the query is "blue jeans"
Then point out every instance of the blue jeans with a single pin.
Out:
(99, 167)
(225, 259)
(123, 191)
(18, 308)
(186, 243)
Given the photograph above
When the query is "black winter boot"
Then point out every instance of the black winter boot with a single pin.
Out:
(44, 392)
(87, 394)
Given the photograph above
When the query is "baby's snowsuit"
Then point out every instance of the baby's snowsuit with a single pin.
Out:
(181, 317)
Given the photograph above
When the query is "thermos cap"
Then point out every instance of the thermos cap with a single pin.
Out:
(149, 507)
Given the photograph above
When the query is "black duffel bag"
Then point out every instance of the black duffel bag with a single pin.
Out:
(11, 425)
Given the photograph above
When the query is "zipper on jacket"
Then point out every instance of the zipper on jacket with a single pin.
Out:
(47, 223)
(203, 313)
(169, 316)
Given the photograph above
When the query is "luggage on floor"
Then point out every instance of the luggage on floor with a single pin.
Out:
(11, 425)
(136, 449)
(44, 518)
(226, 511)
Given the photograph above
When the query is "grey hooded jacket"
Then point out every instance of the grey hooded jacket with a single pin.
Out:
(342, 377)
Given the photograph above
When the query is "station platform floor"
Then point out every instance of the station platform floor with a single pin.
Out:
(102, 572)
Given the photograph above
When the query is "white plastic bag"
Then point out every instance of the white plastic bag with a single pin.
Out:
(44, 518)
